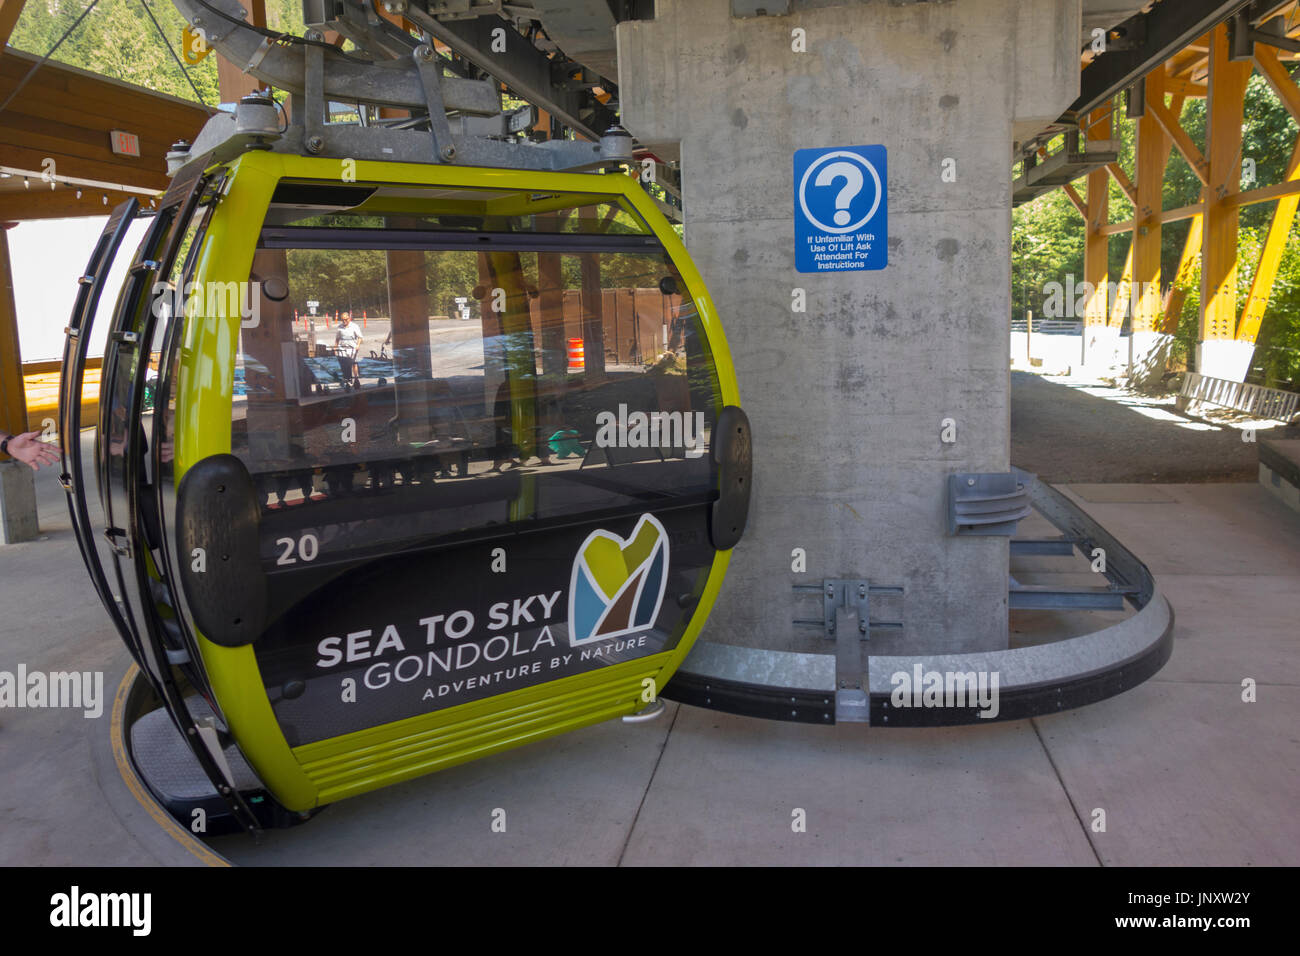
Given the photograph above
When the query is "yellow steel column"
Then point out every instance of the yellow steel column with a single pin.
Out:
(1217, 353)
(1261, 287)
(1123, 291)
(1148, 348)
(1095, 252)
(1152, 154)
(1173, 306)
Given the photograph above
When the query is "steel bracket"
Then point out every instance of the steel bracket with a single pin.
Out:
(988, 504)
(843, 598)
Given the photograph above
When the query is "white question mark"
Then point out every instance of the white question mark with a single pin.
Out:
(852, 176)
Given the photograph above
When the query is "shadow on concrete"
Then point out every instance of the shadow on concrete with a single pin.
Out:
(1063, 434)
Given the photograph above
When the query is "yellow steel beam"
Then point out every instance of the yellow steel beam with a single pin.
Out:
(1152, 156)
(1182, 142)
(1287, 187)
(1270, 257)
(1182, 212)
(1196, 210)
(1185, 87)
(1095, 252)
(1123, 292)
(1173, 304)
(1279, 77)
(1121, 177)
(1076, 200)
(1224, 108)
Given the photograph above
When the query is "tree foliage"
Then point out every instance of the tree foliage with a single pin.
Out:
(119, 40)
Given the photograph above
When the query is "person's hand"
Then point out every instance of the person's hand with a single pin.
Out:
(28, 448)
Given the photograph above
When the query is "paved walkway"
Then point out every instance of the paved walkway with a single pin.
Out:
(1186, 772)
(1080, 430)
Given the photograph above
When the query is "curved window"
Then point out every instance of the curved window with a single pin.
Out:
(443, 364)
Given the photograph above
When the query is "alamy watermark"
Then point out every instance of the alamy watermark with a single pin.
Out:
(922, 688)
(76, 909)
(212, 299)
(79, 690)
(1070, 301)
(651, 430)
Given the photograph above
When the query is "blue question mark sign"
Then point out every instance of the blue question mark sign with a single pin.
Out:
(841, 209)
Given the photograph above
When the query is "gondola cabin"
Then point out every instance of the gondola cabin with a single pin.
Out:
(403, 465)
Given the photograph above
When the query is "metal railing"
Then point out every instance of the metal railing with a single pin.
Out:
(1255, 400)
(1049, 326)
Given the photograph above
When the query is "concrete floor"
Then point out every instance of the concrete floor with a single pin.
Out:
(1079, 429)
(1186, 772)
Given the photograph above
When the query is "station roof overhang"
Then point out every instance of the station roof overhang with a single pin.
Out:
(56, 139)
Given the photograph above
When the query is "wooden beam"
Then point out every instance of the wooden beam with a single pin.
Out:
(1115, 228)
(1270, 257)
(1121, 177)
(1224, 109)
(66, 115)
(1279, 77)
(82, 90)
(60, 203)
(1076, 200)
(80, 167)
(9, 13)
(1096, 258)
(1182, 142)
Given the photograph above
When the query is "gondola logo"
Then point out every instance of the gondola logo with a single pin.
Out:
(617, 585)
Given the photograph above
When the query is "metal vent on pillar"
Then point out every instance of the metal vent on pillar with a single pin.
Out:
(988, 504)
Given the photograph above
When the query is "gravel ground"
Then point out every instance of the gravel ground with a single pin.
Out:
(1073, 430)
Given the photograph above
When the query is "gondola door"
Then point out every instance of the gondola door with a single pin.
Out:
(129, 456)
(74, 477)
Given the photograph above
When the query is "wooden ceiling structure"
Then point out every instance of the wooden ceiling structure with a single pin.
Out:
(56, 135)
(57, 161)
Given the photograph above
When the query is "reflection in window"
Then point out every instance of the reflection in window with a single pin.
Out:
(398, 393)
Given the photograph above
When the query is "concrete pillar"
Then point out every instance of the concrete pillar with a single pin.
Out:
(848, 399)
(17, 502)
(1148, 356)
(1224, 358)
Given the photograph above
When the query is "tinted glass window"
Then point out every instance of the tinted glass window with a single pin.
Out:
(399, 383)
